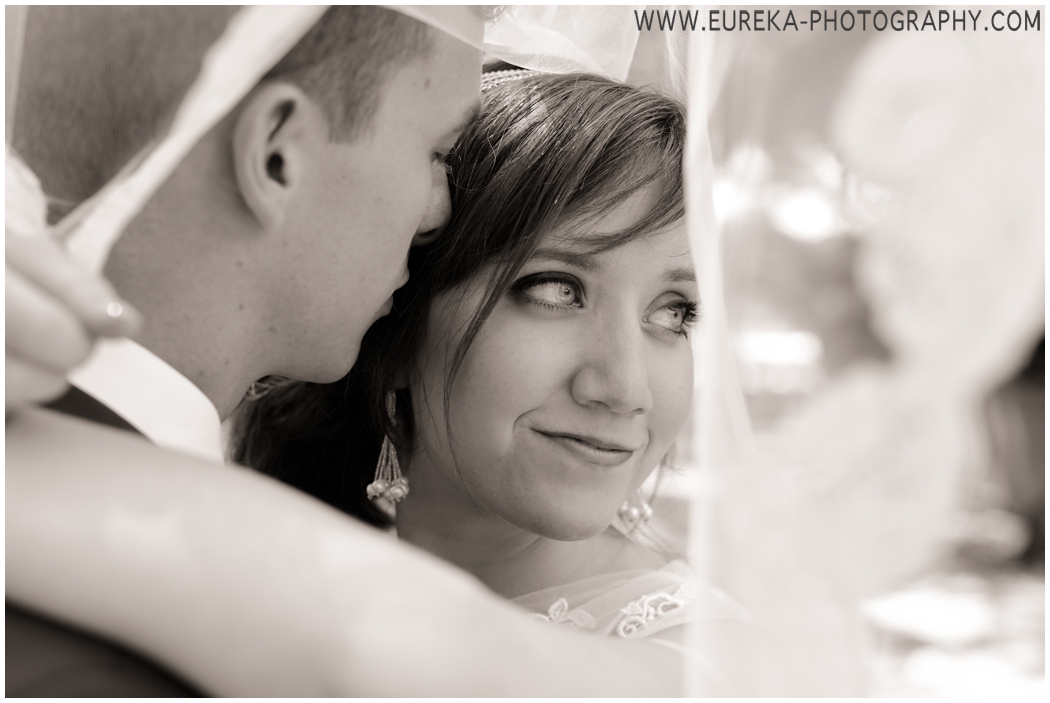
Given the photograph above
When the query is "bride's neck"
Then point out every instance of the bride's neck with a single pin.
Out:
(442, 520)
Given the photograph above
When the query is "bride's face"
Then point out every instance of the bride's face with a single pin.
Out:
(574, 389)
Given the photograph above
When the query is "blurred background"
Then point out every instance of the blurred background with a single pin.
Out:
(880, 204)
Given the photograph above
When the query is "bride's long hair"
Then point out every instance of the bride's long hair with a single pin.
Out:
(545, 150)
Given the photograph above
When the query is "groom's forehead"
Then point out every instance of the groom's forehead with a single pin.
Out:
(98, 83)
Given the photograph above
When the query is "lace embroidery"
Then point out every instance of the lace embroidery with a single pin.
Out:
(640, 614)
(559, 614)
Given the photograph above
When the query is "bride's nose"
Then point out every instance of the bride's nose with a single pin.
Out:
(614, 372)
(439, 209)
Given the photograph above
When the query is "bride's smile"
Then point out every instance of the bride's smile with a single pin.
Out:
(591, 449)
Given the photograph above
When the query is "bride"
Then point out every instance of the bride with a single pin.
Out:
(534, 371)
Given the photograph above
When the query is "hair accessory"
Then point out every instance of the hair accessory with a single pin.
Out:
(389, 485)
(493, 78)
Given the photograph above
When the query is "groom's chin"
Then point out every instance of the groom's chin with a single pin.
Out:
(328, 369)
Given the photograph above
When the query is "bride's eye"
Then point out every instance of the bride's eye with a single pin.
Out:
(554, 291)
(678, 316)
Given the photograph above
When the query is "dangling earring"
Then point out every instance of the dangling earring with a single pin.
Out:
(633, 512)
(389, 485)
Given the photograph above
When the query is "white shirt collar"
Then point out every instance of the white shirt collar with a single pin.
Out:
(154, 398)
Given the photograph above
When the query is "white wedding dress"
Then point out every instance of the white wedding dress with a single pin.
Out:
(635, 604)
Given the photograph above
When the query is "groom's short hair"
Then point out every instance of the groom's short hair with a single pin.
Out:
(344, 60)
(98, 83)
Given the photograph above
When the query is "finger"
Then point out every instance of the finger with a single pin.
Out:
(43, 262)
(25, 383)
(42, 330)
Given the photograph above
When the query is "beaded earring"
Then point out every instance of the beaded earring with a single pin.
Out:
(389, 486)
(633, 512)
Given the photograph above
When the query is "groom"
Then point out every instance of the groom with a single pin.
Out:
(274, 245)
(282, 235)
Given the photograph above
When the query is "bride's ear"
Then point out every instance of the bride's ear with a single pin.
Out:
(270, 145)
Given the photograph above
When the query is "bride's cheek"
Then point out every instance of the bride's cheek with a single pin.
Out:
(672, 389)
(526, 359)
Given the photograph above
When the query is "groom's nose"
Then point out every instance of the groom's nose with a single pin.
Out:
(439, 208)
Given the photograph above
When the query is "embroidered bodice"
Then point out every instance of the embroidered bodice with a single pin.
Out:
(631, 604)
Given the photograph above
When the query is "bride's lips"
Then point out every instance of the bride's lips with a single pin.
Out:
(591, 449)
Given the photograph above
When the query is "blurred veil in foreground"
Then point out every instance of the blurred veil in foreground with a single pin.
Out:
(871, 264)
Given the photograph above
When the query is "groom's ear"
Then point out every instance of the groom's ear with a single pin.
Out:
(271, 144)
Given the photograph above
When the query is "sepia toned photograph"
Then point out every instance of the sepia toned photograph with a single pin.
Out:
(525, 351)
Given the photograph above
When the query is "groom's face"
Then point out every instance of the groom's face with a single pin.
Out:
(365, 201)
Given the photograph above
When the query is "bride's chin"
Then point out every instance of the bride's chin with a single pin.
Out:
(565, 529)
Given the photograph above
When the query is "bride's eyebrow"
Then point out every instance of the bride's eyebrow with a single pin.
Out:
(584, 262)
(680, 275)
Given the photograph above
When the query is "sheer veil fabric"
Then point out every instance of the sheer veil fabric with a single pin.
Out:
(858, 487)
